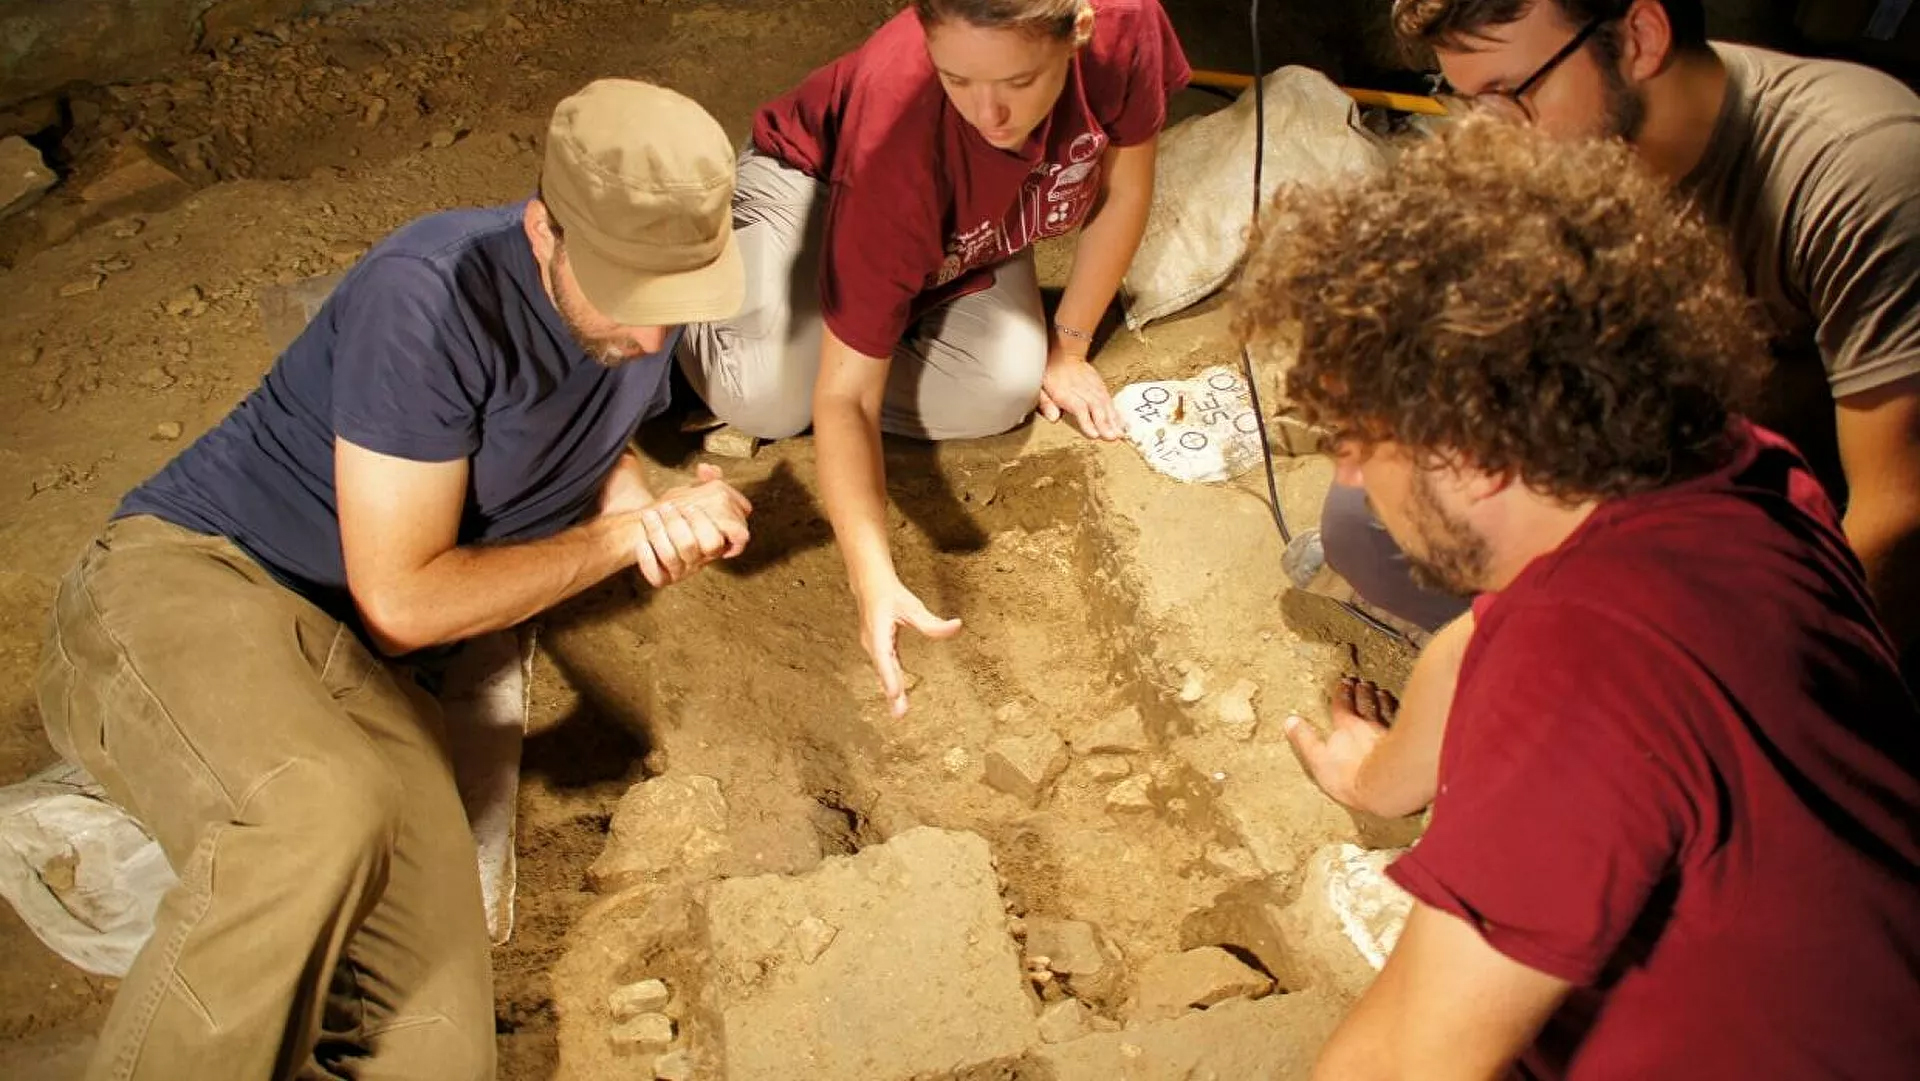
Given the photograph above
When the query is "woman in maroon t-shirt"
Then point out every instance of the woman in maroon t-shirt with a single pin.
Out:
(886, 212)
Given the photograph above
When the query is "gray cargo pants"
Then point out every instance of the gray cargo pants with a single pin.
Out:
(967, 369)
(1359, 550)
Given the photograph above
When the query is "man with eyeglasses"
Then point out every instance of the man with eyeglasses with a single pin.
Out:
(1812, 168)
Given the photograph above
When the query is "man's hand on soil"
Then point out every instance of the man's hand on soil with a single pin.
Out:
(1361, 713)
(690, 527)
(883, 611)
(1071, 385)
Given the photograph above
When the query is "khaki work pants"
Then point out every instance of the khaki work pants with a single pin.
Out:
(328, 920)
(967, 369)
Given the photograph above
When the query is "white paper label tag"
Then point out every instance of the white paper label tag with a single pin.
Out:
(1199, 429)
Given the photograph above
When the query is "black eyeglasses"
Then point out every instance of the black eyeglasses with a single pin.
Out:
(1513, 103)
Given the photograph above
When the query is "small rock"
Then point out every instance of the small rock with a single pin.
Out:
(728, 442)
(168, 430)
(1070, 947)
(187, 302)
(376, 111)
(813, 935)
(1234, 709)
(24, 175)
(1108, 767)
(1172, 984)
(442, 139)
(114, 265)
(1023, 766)
(956, 761)
(128, 229)
(1234, 862)
(1130, 796)
(82, 286)
(1122, 733)
(673, 1066)
(1011, 715)
(1193, 688)
(646, 1030)
(647, 996)
(1064, 1020)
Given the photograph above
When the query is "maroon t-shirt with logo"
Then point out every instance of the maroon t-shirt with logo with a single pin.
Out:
(1681, 771)
(921, 206)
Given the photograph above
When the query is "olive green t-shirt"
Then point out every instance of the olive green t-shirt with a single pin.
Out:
(1813, 169)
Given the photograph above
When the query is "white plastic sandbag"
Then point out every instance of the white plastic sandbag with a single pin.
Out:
(1196, 233)
(80, 872)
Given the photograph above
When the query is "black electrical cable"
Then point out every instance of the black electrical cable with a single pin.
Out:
(1253, 238)
(1246, 352)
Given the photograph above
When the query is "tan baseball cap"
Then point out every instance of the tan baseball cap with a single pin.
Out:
(640, 180)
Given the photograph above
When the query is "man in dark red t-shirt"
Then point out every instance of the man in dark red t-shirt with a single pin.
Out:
(1677, 833)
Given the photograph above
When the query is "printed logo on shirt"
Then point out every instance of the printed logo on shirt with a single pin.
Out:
(1055, 197)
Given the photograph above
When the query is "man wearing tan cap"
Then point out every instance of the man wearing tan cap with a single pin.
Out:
(443, 452)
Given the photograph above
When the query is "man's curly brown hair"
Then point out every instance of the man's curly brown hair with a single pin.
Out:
(1540, 309)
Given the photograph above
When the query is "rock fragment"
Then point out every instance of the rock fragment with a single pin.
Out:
(134, 180)
(727, 441)
(922, 980)
(662, 825)
(1023, 766)
(187, 302)
(1064, 1020)
(1193, 687)
(1131, 796)
(1233, 862)
(1172, 984)
(1121, 733)
(812, 936)
(1071, 947)
(646, 1030)
(634, 999)
(168, 430)
(24, 175)
(1234, 709)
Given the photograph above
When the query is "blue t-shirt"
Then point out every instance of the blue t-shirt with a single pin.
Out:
(441, 344)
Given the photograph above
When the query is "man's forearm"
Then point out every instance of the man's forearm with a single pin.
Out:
(470, 591)
(1402, 773)
(1889, 550)
(626, 487)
